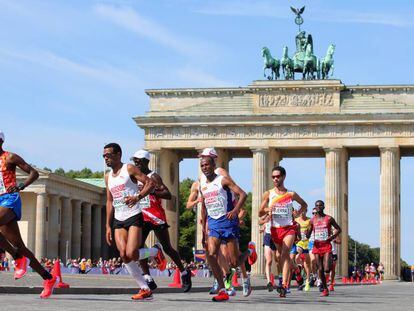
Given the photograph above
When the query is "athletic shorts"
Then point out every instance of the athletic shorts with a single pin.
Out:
(12, 201)
(303, 244)
(225, 234)
(148, 226)
(267, 241)
(278, 234)
(304, 250)
(310, 245)
(334, 257)
(321, 247)
(133, 221)
(293, 250)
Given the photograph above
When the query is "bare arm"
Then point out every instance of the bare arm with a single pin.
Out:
(302, 203)
(193, 198)
(109, 212)
(148, 185)
(337, 230)
(161, 191)
(264, 219)
(227, 182)
(264, 206)
(309, 231)
(18, 161)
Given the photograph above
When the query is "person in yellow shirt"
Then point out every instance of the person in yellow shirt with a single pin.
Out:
(302, 246)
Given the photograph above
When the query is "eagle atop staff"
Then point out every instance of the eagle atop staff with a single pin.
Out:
(298, 12)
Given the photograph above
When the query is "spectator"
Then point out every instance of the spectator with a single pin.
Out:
(82, 266)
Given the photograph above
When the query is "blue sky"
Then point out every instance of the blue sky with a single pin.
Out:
(74, 74)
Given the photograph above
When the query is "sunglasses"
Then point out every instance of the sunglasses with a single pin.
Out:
(107, 155)
(276, 176)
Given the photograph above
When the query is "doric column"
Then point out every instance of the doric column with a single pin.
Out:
(199, 228)
(223, 158)
(260, 181)
(54, 228)
(274, 160)
(76, 229)
(96, 231)
(335, 175)
(40, 244)
(86, 230)
(154, 165)
(390, 212)
(66, 230)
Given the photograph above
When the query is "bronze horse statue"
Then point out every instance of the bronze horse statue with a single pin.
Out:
(270, 63)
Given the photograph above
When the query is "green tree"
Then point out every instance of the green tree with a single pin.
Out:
(364, 253)
(187, 219)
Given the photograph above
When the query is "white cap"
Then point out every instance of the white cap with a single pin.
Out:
(208, 152)
(141, 154)
(1, 135)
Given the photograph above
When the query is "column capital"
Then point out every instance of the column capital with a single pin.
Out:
(333, 149)
(389, 148)
(259, 149)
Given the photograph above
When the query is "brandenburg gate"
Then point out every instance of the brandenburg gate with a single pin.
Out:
(273, 120)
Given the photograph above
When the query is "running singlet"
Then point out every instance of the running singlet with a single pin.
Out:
(267, 228)
(218, 202)
(282, 208)
(321, 227)
(304, 226)
(120, 187)
(7, 177)
(334, 248)
(152, 207)
(216, 171)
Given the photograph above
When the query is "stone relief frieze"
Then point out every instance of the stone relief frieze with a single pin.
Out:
(296, 100)
(282, 131)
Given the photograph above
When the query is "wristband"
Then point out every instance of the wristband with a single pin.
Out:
(21, 186)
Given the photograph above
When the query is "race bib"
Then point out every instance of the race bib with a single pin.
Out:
(303, 236)
(3, 189)
(145, 202)
(321, 235)
(280, 212)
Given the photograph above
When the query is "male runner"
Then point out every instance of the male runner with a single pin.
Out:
(331, 276)
(124, 211)
(302, 247)
(11, 212)
(155, 219)
(321, 224)
(269, 248)
(223, 223)
(278, 202)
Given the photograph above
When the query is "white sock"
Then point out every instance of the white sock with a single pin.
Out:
(135, 271)
(147, 252)
(147, 277)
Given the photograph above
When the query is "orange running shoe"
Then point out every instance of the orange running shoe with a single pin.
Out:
(160, 258)
(325, 292)
(222, 296)
(253, 255)
(49, 286)
(20, 267)
(143, 294)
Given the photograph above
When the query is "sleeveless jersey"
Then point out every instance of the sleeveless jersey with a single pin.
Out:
(216, 171)
(334, 248)
(321, 227)
(282, 208)
(120, 187)
(7, 176)
(218, 202)
(267, 227)
(151, 206)
(304, 226)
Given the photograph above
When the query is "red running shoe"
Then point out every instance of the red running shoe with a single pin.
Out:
(49, 286)
(222, 296)
(331, 288)
(160, 258)
(20, 267)
(325, 293)
(253, 255)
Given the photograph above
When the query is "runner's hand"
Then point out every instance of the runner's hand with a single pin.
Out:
(108, 236)
(131, 200)
(13, 189)
(232, 214)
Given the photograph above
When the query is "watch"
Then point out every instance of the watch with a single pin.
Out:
(21, 186)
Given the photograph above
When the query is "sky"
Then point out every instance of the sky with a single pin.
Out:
(74, 75)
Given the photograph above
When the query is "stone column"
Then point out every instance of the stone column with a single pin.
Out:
(260, 181)
(76, 229)
(86, 230)
(40, 244)
(199, 228)
(334, 197)
(274, 160)
(54, 227)
(66, 230)
(223, 158)
(390, 212)
(343, 261)
(105, 246)
(96, 231)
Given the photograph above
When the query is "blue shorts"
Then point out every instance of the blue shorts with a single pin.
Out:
(293, 250)
(12, 201)
(267, 241)
(310, 246)
(225, 234)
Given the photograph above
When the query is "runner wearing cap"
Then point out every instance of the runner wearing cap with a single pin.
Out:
(156, 220)
(10, 214)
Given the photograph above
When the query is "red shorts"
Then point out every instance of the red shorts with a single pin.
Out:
(278, 234)
(321, 247)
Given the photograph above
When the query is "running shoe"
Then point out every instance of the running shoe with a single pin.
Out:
(331, 288)
(247, 288)
(282, 291)
(214, 289)
(269, 287)
(20, 267)
(307, 286)
(228, 279)
(151, 283)
(186, 281)
(49, 286)
(253, 255)
(160, 258)
(143, 294)
(325, 292)
(301, 287)
(280, 281)
(321, 288)
(288, 291)
(222, 296)
(231, 291)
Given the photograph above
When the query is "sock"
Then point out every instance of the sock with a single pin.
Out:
(135, 271)
(147, 252)
(147, 277)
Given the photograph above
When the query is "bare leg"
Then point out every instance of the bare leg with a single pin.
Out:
(268, 258)
(5, 245)
(284, 250)
(212, 254)
(164, 237)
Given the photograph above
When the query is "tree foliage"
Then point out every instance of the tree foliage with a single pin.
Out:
(84, 173)
(187, 219)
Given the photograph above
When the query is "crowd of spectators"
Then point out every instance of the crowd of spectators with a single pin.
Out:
(368, 272)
